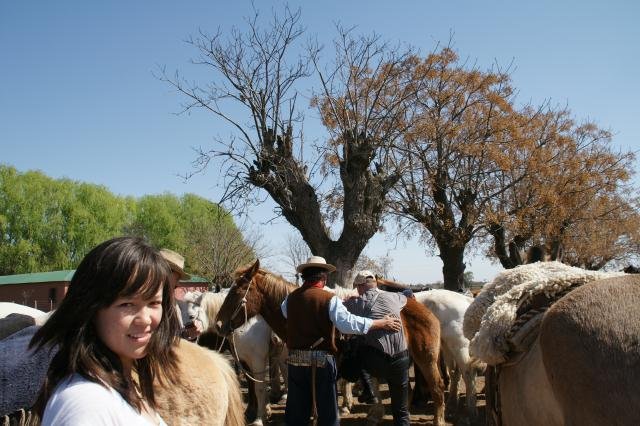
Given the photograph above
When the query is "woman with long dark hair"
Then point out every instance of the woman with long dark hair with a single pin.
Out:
(115, 330)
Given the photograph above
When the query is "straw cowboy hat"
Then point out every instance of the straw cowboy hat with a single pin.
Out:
(316, 262)
(176, 261)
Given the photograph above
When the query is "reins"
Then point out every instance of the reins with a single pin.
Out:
(241, 305)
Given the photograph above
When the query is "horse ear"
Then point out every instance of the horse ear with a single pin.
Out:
(252, 271)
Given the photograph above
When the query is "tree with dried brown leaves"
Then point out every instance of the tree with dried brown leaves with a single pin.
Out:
(575, 196)
(454, 156)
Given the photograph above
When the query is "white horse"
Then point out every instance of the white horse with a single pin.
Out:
(27, 316)
(8, 308)
(450, 307)
(249, 343)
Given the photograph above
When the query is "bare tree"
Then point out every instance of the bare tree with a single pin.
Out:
(296, 252)
(256, 90)
(381, 266)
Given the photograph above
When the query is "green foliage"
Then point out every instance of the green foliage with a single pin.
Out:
(195, 227)
(50, 224)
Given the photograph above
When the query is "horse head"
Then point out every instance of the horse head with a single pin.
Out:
(242, 302)
(193, 311)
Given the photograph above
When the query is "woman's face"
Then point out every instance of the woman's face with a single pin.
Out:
(127, 325)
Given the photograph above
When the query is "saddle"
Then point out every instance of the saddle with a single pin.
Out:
(526, 327)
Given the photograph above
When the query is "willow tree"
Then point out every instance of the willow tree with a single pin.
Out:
(258, 83)
(202, 231)
(575, 197)
(466, 134)
(49, 224)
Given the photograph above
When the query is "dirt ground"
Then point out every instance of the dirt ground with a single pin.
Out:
(419, 415)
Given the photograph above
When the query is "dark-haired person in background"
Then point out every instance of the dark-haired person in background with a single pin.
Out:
(190, 329)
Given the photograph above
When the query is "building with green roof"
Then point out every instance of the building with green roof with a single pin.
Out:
(45, 290)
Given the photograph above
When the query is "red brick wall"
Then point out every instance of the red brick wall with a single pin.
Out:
(35, 295)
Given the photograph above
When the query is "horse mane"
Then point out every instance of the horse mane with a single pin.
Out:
(389, 285)
(211, 303)
(342, 292)
(275, 285)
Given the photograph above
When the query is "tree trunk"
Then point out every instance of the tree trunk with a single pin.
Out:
(453, 267)
(508, 253)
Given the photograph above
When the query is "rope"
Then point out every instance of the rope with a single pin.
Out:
(222, 344)
(235, 353)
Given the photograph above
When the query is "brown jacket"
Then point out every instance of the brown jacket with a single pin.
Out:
(308, 319)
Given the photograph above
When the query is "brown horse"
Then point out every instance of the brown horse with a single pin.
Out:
(583, 367)
(257, 291)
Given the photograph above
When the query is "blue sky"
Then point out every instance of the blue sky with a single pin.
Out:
(79, 99)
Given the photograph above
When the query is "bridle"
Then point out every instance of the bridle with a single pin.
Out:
(241, 306)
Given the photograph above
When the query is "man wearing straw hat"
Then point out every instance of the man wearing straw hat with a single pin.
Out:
(312, 315)
(192, 329)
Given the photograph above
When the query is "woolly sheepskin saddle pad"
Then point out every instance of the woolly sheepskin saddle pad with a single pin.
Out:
(489, 319)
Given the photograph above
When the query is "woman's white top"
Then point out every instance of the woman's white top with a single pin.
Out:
(77, 401)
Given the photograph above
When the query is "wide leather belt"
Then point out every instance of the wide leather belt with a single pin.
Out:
(307, 358)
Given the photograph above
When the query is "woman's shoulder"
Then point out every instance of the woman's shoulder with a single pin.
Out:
(77, 400)
(80, 388)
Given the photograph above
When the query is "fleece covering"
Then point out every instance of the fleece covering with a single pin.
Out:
(492, 314)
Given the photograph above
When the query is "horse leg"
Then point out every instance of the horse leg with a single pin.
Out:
(452, 400)
(434, 382)
(469, 376)
(251, 411)
(448, 365)
(275, 369)
(427, 360)
(282, 362)
(376, 412)
(258, 372)
(420, 395)
(346, 388)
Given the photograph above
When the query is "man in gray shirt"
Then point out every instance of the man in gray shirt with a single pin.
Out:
(384, 353)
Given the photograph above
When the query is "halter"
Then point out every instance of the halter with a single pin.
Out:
(243, 304)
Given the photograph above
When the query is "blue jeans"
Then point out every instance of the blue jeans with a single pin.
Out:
(299, 397)
(396, 371)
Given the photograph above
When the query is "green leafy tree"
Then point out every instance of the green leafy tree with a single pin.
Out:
(48, 224)
(200, 230)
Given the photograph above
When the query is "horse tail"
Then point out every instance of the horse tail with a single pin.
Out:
(235, 409)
